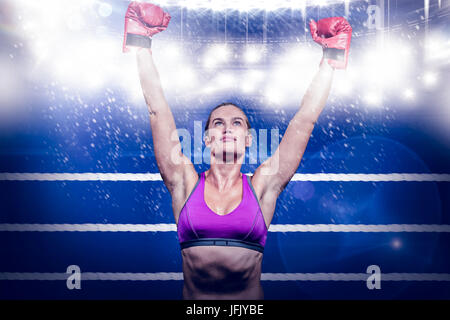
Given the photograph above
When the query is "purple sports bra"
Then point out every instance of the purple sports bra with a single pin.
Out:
(243, 227)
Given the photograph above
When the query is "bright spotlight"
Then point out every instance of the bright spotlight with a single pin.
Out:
(388, 66)
(186, 77)
(404, 51)
(438, 49)
(40, 49)
(240, 5)
(274, 95)
(209, 62)
(172, 52)
(216, 55)
(209, 89)
(94, 81)
(225, 81)
(282, 75)
(252, 55)
(64, 68)
(215, 5)
(396, 243)
(344, 87)
(104, 9)
(10, 87)
(255, 75)
(247, 87)
(408, 94)
(75, 22)
(269, 5)
(430, 79)
(222, 52)
(373, 98)
(250, 80)
(436, 46)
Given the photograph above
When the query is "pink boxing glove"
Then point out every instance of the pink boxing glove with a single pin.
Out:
(334, 35)
(142, 21)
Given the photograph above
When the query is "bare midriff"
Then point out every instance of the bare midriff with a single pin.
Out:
(217, 272)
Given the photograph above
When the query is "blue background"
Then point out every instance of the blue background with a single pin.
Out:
(56, 132)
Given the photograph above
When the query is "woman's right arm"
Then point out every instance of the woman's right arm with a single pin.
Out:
(174, 166)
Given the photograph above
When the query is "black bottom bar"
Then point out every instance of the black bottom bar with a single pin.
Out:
(231, 309)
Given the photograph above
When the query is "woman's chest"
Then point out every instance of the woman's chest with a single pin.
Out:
(223, 203)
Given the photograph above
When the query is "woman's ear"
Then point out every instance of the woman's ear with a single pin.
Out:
(207, 137)
(207, 140)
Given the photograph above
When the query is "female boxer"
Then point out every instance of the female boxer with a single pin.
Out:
(222, 215)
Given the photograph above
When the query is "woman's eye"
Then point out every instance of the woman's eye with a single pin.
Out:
(238, 122)
(217, 123)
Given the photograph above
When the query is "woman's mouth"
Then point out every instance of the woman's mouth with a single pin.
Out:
(228, 139)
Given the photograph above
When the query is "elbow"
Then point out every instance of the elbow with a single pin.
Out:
(304, 124)
(305, 117)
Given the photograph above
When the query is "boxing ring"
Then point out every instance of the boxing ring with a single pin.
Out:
(84, 213)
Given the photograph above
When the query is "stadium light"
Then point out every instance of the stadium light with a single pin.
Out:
(430, 78)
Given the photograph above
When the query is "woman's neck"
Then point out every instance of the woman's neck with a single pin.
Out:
(223, 176)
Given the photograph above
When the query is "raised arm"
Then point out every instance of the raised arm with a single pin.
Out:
(142, 21)
(172, 163)
(273, 175)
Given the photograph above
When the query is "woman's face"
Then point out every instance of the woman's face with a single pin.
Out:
(228, 134)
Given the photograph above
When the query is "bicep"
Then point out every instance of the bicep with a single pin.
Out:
(283, 164)
(266, 191)
(264, 181)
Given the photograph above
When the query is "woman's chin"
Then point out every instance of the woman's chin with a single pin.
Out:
(228, 157)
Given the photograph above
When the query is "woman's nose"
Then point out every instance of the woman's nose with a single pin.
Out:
(226, 128)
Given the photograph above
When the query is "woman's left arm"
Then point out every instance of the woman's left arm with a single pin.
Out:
(334, 35)
(278, 170)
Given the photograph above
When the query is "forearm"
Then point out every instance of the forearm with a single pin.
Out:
(150, 82)
(316, 96)
(299, 130)
(287, 157)
(167, 148)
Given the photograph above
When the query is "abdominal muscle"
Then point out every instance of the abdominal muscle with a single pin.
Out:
(216, 272)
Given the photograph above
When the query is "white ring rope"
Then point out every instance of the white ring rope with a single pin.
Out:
(166, 227)
(359, 228)
(168, 276)
(35, 227)
(80, 176)
(344, 177)
(390, 177)
(354, 276)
